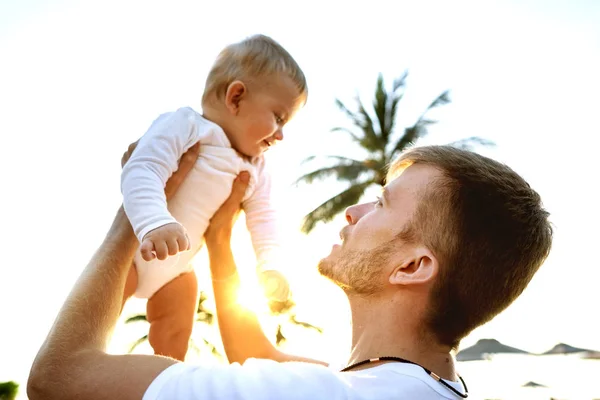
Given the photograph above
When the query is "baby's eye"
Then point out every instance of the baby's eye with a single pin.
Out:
(278, 119)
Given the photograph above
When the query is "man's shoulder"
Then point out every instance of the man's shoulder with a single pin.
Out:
(266, 379)
(256, 379)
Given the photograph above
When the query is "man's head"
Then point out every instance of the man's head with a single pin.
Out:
(257, 87)
(464, 228)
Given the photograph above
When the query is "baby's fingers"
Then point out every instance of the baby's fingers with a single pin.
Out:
(161, 249)
(172, 246)
(183, 241)
(146, 250)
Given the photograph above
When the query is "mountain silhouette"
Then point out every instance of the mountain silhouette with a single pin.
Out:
(563, 348)
(483, 347)
(534, 384)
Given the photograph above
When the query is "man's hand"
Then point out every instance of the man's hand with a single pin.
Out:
(186, 163)
(221, 224)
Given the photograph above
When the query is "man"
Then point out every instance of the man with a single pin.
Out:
(454, 240)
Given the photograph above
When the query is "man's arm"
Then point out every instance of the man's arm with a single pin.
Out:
(72, 363)
(240, 329)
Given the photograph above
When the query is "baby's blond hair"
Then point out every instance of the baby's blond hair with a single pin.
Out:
(253, 58)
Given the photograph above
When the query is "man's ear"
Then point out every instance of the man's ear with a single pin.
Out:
(421, 267)
(235, 92)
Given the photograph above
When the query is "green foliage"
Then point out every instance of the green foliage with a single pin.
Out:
(284, 311)
(376, 134)
(287, 310)
(203, 315)
(8, 390)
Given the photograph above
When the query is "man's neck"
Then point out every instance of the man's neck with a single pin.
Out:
(377, 332)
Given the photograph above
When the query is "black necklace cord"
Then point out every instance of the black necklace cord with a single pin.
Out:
(430, 373)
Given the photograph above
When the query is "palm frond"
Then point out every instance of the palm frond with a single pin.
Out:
(411, 134)
(192, 345)
(347, 172)
(136, 318)
(371, 141)
(212, 347)
(400, 82)
(346, 110)
(342, 159)
(441, 100)
(279, 337)
(8, 390)
(380, 106)
(349, 132)
(362, 120)
(137, 343)
(332, 207)
(205, 317)
(391, 120)
(294, 321)
(392, 107)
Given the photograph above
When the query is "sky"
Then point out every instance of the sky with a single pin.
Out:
(81, 80)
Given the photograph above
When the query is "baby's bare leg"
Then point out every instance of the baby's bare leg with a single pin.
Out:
(171, 312)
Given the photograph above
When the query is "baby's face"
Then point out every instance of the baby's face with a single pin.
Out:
(262, 115)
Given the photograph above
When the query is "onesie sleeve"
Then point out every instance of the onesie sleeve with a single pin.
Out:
(261, 221)
(154, 160)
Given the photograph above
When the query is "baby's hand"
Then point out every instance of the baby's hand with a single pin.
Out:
(275, 285)
(164, 241)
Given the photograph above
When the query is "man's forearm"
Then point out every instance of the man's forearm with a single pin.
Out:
(91, 310)
(240, 329)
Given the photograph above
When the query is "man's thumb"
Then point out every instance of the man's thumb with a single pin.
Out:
(244, 177)
(240, 184)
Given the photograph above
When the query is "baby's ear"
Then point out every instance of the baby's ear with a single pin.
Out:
(235, 92)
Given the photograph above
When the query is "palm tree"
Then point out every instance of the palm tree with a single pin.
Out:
(376, 134)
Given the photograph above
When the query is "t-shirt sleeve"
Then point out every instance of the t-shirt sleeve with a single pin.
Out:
(152, 163)
(256, 379)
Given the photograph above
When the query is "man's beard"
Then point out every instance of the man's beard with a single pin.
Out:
(358, 272)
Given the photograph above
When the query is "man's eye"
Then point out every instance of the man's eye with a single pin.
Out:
(278, 119)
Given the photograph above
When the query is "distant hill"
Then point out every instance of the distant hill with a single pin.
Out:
(563, 348)
(534, 385)
(484, 347)
(592, 355)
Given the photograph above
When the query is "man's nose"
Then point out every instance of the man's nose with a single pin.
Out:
(356, 212)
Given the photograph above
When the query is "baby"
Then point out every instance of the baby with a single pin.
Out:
(253, 89)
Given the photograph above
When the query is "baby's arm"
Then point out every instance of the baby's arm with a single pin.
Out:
(262, 225)
(143, 180)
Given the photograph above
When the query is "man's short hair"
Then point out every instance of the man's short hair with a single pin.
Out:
(252, 59)
(488, 230)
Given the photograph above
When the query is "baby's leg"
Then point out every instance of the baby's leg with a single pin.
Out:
(171, 312)
(130, 285)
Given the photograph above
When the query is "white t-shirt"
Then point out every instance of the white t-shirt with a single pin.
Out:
(269, 380)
